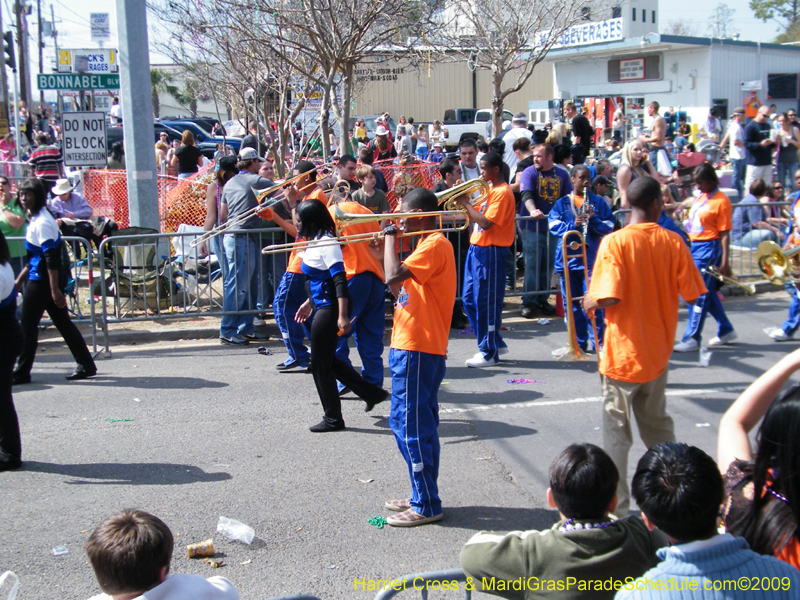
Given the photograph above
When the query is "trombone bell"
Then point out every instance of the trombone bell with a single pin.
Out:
(779, 266)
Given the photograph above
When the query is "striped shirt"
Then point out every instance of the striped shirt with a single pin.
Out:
(45, 161)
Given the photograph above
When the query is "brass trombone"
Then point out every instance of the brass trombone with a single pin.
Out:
(342, 220)
(248, 214)
(715, 273)
(477, 189)
(778, 265)
(573, 350)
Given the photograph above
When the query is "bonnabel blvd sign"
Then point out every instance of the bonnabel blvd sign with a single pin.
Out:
(76, 81)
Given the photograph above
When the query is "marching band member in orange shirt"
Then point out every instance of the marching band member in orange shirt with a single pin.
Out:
(638, 273)
(425, 287)
(484, 271)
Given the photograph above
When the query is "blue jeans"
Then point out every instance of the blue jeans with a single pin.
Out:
(241, 284)
(290, 295)
(539, 252)
(754, 237)
(705, 254)
(786, 173)
(272, 268)
(368, 322)
(793, 321)
(583, 331)
(737, 179)
(414, 419)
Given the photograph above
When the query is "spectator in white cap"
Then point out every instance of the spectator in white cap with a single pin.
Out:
(381, 146)
(437, 155)
(519, 129)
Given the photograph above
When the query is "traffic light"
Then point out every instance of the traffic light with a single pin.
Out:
(8, 49)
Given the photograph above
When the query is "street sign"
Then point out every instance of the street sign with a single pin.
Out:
(100, 24)
(98, 60)
(69, 81)
(84, 139)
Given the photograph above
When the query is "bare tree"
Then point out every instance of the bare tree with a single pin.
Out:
(507, 37)
(720, 22)
(681, 27)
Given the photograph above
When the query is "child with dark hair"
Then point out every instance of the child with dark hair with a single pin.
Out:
(679, 490)
(585, 547)
(763, 484)
(131, 553)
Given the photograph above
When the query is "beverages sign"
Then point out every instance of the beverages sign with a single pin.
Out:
(583, 34)
(88, 61)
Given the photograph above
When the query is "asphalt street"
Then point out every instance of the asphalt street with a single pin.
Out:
(194, 430)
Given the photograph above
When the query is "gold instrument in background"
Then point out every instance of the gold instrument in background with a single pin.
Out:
(573, 350)
(749, 289)
(237, 221)
(477, 189)
(778, 265)
(343, 220)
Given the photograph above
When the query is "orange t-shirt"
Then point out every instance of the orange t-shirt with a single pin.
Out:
(709, 216)
(795, 221)
(424, 307)
(357, 257)
(646, 267)
(499, 208)
(295, 260)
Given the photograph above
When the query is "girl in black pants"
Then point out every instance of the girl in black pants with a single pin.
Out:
(10, 346)
(326, 284)
(46, 280)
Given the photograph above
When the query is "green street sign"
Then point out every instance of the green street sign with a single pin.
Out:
(77, 81)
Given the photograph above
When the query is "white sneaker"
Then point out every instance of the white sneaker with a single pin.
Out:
(779, 335)
(503, 351)
(690, 345)
(725, 339)
(478, 361)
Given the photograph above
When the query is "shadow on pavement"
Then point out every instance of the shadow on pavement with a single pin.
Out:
(464, 431)
(164, 383)
(126, 473)
(497, 518)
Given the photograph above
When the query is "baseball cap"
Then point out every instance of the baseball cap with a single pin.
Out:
(738, 110)
(249, 154)
(228, 163)
(519, 118)
(600, 180)
(438, 145)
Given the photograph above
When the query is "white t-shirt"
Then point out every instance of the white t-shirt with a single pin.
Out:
(735, 133)
(6, 281)
(187, 587)
(509, 137)
(470, 174)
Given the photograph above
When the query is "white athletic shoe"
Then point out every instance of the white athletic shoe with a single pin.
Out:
(779, 335)
(478, 361)
(690, 345)
(503, 351)
(725, 339)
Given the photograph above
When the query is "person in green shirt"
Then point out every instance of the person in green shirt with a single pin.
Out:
(13, 224)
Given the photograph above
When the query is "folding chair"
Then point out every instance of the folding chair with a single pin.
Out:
(198, 272)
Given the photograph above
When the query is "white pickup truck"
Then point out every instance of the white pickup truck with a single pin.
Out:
(463, 123)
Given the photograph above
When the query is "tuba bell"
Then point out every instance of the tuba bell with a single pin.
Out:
(778, 265)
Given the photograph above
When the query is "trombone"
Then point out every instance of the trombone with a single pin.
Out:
(715, 273)
(477, 189)
(237, 221)
(573, 350)
(342, 220)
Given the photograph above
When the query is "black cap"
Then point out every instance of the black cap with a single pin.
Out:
(601, 180)
(228, 163)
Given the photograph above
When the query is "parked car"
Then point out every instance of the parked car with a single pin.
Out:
(206, 123)
(202, 137)
(115, 133)
(371, 123)
(463, 123)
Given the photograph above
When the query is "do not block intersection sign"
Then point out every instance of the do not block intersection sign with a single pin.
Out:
(84, 139)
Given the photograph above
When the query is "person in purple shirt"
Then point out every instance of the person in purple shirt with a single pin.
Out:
(541, 185)
(68, 203)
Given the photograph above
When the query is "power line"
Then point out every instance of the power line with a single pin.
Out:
(62, 5)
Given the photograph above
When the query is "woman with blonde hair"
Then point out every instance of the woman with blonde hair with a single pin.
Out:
(635, 162)
(187, 157)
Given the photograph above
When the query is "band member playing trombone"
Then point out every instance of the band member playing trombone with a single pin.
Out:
(425, 287)
(638, 273)
(484, 272)
(291, 291)
(241, 250)
(326, 284)
(591, 215)
(789, 327)
(710, 224)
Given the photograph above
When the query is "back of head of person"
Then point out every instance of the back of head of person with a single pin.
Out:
(583, 482)
(130, 552)
(679, 490)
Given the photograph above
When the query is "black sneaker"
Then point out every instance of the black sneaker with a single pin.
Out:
(547, 309)
(528, 312)
(236, 340)
(323, 427)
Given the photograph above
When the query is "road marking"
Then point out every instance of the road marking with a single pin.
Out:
(734, 389)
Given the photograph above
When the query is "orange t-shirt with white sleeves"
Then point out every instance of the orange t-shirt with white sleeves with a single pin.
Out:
(500, 209)
(358, 258)
(645, 266)
(424, 307)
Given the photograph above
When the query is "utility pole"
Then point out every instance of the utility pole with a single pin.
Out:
(137, 113)
(41, 50)
(4, 121)
(55, 45)
(22, 53)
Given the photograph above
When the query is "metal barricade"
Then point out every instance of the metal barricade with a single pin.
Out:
(147, 277)
(445, 580)
(76, 290)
